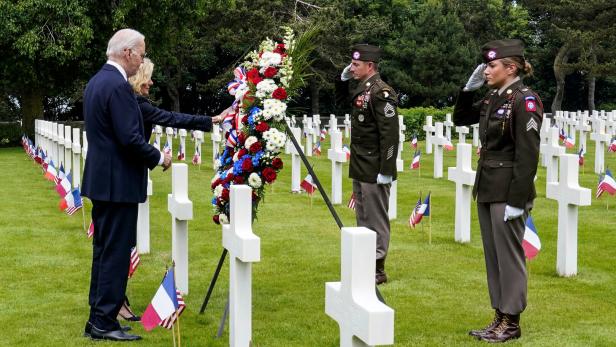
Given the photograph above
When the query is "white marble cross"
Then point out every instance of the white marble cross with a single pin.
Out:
(601, 140)
(544, 139)
(475, 128)
(244, 249)
(181, 209)
(158, 132)
(76, 158)
(333, 122)
(316, 128)
(583, 127)
(464, 177)
(551, 151)
(293, 122)
(216, 138)
(54, 143)
(143, 222)
(570, 125)
(68, 149)
(569, 195)
(84, 148)
(347, 126)
(60, 145)
(296, 165)
(352, 302)
(170, 134)
(337, 157)
(439, 141)
(182, 150)
(610, 123)
(429, 129)
(462, 132)
(401, 138)
(392, 212)
(448, 124)
(308, 130)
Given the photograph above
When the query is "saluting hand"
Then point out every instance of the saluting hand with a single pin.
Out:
(477, 79)
(346, 73)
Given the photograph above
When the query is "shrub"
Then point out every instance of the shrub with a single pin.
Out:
(415, 118)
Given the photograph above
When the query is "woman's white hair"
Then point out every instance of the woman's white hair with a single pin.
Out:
(122, 39)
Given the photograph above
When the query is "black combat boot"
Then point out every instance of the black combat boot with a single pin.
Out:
(508, 329)
(498, 317)
(381, 276)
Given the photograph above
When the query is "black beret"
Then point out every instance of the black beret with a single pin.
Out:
(366, 52)
(501, 49)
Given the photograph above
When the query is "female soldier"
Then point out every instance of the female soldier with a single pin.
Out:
(509, 118)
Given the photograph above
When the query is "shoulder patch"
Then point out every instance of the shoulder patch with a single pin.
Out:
(389, 110)
(531, 105)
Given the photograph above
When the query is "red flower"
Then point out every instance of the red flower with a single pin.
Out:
(242, 152)
(225, 194)
(269, 174)
(279, 93)
(247, 164)
(279, 48)
(245, 119)
(255, 147)
(216, 219)
(270, 72)
(238, 180)
(240, 139)
(262, 127)
(277, 163)
(252, 75)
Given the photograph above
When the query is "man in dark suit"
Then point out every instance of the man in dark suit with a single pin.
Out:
(115, 179)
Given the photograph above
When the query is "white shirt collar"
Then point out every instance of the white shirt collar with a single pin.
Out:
(119, 67)
(500, 91)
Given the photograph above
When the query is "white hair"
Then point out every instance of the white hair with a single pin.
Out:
(122, 39)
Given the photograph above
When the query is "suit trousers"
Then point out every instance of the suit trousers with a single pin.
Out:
(371, 211)
(115, 226)
(504, 256)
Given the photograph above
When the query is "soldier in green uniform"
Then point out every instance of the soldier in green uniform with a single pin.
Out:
(374, 146)
(509, 118)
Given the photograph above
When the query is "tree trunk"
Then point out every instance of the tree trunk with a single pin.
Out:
(560, 73)
(32, 108)
(314, 96)
(592, 80)
(173, 84)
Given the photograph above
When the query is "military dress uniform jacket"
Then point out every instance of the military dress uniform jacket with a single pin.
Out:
(509, 132)
(375, 130)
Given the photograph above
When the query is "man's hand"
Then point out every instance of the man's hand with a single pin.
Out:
(167, 161)
(512, 212)
(477, 79)
(346, 73)
(383, 179)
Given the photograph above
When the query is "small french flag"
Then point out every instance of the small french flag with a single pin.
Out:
(163, 305)
(531, 242)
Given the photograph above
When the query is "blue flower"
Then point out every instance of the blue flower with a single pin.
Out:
(214, 201)
(237, 167)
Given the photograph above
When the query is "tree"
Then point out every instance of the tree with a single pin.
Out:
(41, 40)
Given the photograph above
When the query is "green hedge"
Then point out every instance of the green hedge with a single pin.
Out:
(10, 134)
(415, 118)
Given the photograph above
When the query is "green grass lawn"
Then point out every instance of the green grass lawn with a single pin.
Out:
(438, 291)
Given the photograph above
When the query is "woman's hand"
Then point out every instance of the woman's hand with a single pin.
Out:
(477, 79)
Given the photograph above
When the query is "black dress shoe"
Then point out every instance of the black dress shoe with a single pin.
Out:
(114, 335)
(87, 332)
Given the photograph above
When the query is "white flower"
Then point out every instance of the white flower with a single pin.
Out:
(254, 180)
(270, 59)
(218, 190)
(223, 219)
(250, 141)
(235, 156)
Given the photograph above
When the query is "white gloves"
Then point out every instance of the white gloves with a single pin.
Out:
(383, 179)
(346, 73)
(477, 79)
(512, 212)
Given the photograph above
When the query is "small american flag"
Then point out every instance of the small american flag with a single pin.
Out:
(134, 261)
(351, 203)
(90, 231)
(169, 321)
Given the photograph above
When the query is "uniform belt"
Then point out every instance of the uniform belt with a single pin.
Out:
(494, 155)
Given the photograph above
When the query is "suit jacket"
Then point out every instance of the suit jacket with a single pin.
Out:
(154, 115)
(509, 127)
(375, 130)
(118, 155)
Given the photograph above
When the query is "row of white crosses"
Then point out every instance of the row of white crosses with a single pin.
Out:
(62, 143)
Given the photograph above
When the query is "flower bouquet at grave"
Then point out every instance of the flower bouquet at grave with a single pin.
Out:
(254, 128)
